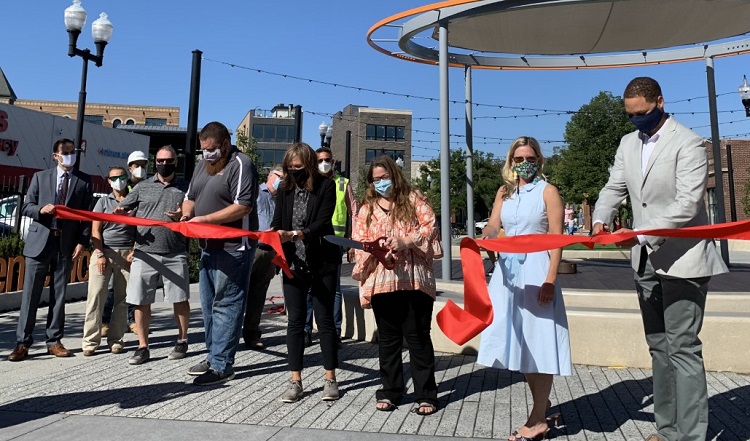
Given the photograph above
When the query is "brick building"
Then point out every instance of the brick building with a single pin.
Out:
(109, 115)
(375, 132)
(740, 152)
(273, 132)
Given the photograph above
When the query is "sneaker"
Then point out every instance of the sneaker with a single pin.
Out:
(105, 329)
(89, 352)
(308, 339)
(116, 348)
(133, 328)
(293, 393)
(200, 368)
(140, 356)
(212, 377)
(179, 351)
(330, 390)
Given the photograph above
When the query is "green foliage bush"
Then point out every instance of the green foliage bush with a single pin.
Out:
(11, 246)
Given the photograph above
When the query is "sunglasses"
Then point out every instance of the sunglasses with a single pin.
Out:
(326, 160)
(117, 178)
(165, 160)
(529, 159)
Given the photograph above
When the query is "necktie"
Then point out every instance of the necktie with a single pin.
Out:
(64, 188)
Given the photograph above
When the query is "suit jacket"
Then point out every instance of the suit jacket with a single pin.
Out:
(42, 191)
(321, 255)
(670, 195)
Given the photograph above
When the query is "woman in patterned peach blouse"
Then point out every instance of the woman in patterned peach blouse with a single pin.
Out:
(402, 298)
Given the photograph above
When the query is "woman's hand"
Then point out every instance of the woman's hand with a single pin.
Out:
(364, 302)
(396, 244)
(546, 293)
(285, 236)
(101, 264)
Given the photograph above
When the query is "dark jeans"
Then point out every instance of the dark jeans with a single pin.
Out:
(51, 260)
(110, 304)
(399, 315)
(322, 289)
(261, 274)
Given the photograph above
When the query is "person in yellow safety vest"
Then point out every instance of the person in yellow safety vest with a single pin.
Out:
(346, 207)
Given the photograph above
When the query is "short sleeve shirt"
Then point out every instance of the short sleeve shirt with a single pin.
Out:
(114, 235)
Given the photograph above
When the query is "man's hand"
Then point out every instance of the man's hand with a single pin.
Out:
(101, 264)
(546, 293)
(47, 209)
(77, 251)
(118, 210)
(629, 243)
(129, 257)
(174, 215)
(598, 228)
(194, 219)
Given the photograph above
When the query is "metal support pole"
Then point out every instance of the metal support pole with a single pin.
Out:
(81, 109)
(347, 155)
(297, 123)
(730, 175)
(191, 143)
(445, 152)
(470, 226)
(718, 172)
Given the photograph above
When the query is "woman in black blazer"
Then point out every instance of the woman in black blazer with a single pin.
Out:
(304, 208)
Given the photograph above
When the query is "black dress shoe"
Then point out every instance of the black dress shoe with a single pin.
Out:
(19, 353)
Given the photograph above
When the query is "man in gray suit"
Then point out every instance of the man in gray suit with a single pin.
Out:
(663, 168)
(51, 246)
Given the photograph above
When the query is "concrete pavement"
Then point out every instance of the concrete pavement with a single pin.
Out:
(104, 397)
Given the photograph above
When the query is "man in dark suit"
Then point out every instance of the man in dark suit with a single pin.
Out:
(51, 246)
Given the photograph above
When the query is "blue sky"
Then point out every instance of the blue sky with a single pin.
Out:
(148, 62)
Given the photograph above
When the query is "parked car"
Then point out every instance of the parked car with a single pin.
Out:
(479, 226)
(9, 208)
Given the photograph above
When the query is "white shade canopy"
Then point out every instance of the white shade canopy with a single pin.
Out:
(101, 28)
(75, 16)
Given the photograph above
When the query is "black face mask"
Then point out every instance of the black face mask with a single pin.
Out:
(165, 170)
(299, 176)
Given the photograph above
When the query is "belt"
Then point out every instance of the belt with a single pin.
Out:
(55, 233)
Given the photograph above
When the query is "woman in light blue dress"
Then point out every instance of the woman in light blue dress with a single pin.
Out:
(529, 332)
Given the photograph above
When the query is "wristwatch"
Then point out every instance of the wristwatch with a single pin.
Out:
(295, 235)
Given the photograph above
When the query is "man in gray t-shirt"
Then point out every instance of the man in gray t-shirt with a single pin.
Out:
(160, 255)
(223, 191)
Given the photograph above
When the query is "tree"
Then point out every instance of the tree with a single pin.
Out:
(592, 136)
(249, 146)
(487, 179)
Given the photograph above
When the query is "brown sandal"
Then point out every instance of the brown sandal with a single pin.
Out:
(431, 408)
(390, 407)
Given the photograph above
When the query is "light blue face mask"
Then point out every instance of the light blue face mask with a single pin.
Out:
(276, 184)
(383, 187)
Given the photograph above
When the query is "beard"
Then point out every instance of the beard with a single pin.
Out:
(217, 166)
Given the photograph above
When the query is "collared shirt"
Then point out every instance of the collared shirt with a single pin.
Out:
(649, 143)
(114, 235)
(266, 205)
(58, 189)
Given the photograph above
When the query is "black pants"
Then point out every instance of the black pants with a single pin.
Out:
(322, 288)
(261, 274)
(399, 315)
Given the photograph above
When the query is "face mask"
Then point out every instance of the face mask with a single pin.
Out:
(67, 160)
(299, 176)
(212, 157)
(166, 170)
(648, 122)
(526, 170)
(119, 184)
(275, 184)
(383, 187)
(139, 172)
(324, 167)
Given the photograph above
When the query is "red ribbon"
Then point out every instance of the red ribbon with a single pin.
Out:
(197, 230)
(461, 325)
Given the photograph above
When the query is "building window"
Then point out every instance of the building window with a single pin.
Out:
(130, 122)
(116, 122)
(156, 121)
(270, 157)
(273, 133)
(94, 119)
(384, 133)
(371, 154)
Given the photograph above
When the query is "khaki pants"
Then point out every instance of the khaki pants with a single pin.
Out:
(117, 269)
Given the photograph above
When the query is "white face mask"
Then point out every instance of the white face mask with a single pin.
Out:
(67, 160)
(139, 172)
(213, 156)
(119, 184)
(324, 167)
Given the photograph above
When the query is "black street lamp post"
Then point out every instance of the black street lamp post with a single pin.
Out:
(101, 29)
